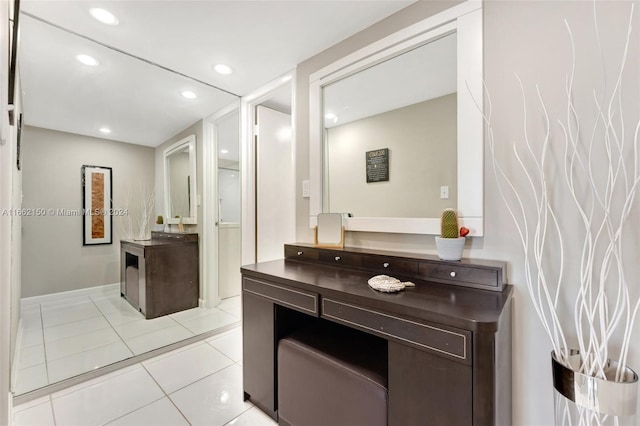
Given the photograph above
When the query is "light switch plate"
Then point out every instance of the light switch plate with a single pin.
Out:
(305, 189)
(444, 192)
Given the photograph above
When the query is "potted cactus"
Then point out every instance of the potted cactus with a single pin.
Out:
(451, 240)
(159, 223)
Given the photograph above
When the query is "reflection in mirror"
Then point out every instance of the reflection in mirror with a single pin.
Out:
(73, 317)
(180, 181)
(329, 231)
(229, 194)
(396, 131)
(406, 105)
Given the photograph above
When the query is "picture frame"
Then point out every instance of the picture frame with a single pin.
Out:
(97, 218)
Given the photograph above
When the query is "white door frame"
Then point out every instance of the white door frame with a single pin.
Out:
(248, 157)
(210, 218)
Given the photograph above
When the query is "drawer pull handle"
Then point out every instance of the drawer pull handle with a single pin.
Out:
(385, 264)
(452, 274)
(300, 253)
(337, 258)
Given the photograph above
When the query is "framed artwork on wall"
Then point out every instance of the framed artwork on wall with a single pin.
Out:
(97, 226)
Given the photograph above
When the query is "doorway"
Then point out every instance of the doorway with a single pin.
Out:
(222, 207)
(229, 205)
(268, 179)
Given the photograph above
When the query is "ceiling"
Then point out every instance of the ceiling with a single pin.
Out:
(140, 100)
(426, 72)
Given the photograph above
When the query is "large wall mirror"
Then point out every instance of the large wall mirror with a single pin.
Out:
(180, 190)
(397, 130)
(143, 106)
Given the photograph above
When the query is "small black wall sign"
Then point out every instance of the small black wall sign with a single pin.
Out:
(377, 165)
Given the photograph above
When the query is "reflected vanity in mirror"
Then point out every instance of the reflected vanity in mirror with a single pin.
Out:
(397, 129)
(180, 182)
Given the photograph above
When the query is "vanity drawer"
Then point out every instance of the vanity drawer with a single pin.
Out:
(390, 266)
(490, 279)
(451, 343)
(299, 300)
(340, 258)
(301, 253)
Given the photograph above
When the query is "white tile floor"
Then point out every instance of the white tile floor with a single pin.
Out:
(199, 384)
(67, 336)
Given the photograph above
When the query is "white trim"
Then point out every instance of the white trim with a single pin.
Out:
(7, 170)
(189, 141)
(89, 291)
(397, 225)
(247, 160)
(210, 295)
(466, 20)
(403, 35)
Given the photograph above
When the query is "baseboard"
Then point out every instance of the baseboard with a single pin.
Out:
(90, 291)
(10, 409)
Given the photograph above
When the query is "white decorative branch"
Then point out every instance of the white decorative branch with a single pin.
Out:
(604, 196)
(144, 215)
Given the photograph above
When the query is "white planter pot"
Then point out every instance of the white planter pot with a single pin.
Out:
(450, 248)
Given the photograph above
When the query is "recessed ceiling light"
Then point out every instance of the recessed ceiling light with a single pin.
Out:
(103, 16)
(331, 116)
(87, 60)
(105, 130)
(224, 151)
(223, 69)
(189, 94)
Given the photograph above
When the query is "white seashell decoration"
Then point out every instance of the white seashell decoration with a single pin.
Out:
(387, 284)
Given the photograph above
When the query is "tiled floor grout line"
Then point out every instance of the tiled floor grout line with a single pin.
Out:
(44, 349)
(166, 394)
(112, 326)
(103, 315)
(53, 411)
(145, 405)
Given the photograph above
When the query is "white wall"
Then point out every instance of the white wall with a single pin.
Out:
(54, 258)
(530, 38)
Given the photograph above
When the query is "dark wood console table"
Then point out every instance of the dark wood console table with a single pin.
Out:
(449, 342)
(160, 276)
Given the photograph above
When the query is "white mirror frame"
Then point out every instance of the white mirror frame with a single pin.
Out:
(466, 20)
(189, 141)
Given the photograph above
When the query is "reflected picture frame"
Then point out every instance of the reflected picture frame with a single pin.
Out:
(97, 218)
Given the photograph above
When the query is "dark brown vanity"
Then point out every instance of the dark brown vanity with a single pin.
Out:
(448, 339)
(160, 276)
